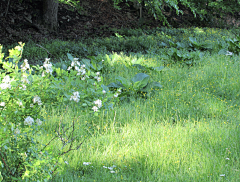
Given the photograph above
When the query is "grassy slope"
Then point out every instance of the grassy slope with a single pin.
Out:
(188, 131)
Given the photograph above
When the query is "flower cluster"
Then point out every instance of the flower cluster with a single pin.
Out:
(97, 77)
(29, 121)
(37, 99)
(48, 66)
(118, 93)
(111, 168)
(25, 65)
(78, 67)
(98, 104)
(75, 97)
(6, 83)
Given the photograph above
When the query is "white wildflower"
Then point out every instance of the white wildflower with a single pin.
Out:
(95, 108)
(29, 121)
(119, 90)
(110, 168)
(104, 91)
(5, 86)
(39, 122)
(75, 97)
(2, 104)
(222, 175)
(98, 73)
(48, 66)
(86, 163)
(227, 159)
(31, 105)
(25, 79)
(25, 65)
(116, 95)
(102, 60)
(229, 53)
(98, 79)
(6, 79)
(98, 103)
(112, 172)
(83, 78)
(66, 162)
(23, 87)
(69, 68)
(37, 99)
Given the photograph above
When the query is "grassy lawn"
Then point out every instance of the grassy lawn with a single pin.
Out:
(188, 130)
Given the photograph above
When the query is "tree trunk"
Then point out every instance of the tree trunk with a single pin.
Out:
(50, 11)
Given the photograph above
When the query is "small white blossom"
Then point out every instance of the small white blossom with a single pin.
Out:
(222, 175)
(48, 66)
(66, 162)
(98, 79)
(37, 99)
(31, 105)
(39, 122)
(83, 78)
(112, 171)
(119, 91)
(6, 79)
(95, 108)
(116, 95)
(104, 91)
(2, 104)
(227, 159)
(86, 163)
(29, 121)
(102, 60)
(98, 73)
(25, 65)
(229, 53)
(23, 87)
(98, 103)
(69, 68)
(75, 97)
(25, 79)
(5, 86)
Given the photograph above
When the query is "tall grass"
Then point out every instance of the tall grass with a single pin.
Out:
(188, 131)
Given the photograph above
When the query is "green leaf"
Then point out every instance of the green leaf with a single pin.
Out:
(140, 80)
(193, 40)
(70, 57)
(126, 83)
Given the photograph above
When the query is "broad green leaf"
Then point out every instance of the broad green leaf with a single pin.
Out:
(193, 40)
(140, 80)
(70, 57)
(126, 83)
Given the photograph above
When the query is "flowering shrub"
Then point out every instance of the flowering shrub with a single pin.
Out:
(22, 94)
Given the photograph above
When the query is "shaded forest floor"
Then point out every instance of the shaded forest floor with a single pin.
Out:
(19, 21)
